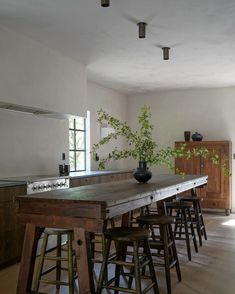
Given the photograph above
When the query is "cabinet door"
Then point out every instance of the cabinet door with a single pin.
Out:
(216, 194)
(188, 166)
(11, 232)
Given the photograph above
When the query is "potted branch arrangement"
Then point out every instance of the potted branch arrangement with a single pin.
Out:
(142, 147)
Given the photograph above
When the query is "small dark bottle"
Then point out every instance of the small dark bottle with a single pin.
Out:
(64, 168)
(187, 135)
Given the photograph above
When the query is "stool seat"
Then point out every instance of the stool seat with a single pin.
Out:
(155, 219)
(189, 198)
(137, 239)
(127, 234)
(184, 228)
(57, 259)
(163, 242)
(178, 204)
(197, 216)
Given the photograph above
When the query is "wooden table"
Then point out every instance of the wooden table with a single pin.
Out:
(84, 209)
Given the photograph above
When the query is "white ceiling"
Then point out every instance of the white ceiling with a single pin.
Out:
(201, 34)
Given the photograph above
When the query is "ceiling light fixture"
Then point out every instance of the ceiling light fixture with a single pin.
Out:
(166, 53)
(105, 3)
(142, 29)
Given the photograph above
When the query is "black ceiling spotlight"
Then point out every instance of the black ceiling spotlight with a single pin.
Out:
(142, 29)
(166, 53)
(105, 3)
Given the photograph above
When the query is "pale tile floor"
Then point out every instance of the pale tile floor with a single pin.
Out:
(211, 271)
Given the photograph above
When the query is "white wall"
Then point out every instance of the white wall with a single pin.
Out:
(34, 75)
(31, 145)
(116, 105)
(210, 112)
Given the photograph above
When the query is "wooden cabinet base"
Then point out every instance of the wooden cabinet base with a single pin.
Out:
(11, 232)
(217, 194)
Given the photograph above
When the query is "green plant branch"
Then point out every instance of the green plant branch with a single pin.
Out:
(142, 147)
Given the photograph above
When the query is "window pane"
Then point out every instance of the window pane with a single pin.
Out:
(72, 160)
(80, 125)
(71, 140)
(80, 140)
(71, 123)
(80, 160)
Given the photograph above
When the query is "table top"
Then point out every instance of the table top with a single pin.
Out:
(114, 197)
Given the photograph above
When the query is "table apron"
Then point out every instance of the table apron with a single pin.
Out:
(88, 224)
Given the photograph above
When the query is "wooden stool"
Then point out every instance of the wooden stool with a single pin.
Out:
(123, 236)
(164, 242)
(96, 243)
(197, 217)
(183, 225)
(59, 233)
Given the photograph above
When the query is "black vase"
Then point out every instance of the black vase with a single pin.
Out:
(197, 137)
(142, 174)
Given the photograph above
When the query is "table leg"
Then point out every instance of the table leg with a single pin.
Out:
(83, 260)
(32, 234)
(194, 192)
(126, 218)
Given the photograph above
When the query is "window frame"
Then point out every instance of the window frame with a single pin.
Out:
(75, 150)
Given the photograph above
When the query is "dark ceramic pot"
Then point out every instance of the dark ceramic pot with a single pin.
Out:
(197, 137)
(142, 174)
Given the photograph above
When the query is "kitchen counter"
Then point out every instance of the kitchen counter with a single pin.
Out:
(21, 180)
(86, 174)
(10, 183)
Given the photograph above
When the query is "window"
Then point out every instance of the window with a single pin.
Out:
(77, 144)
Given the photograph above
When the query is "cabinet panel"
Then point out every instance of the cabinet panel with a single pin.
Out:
(89, 180)
(11, 246)
(191, 166)
(217, 193)
(11, 232)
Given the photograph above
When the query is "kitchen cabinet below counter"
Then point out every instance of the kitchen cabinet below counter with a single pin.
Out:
(11, 232)
(97, 177)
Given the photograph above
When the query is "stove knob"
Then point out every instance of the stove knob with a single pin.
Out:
(39, 187)
(34, 188)
(45, 187)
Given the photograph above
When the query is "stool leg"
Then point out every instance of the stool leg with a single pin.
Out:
(119, 253)
(198, 223)
(40, 263)
(105, 250)
(172, 239)
(151, 267)
(186, 233)
(202, 220)
(192, 230)
(58, 262)
(166, 259)
(137, 267)
(70, 264)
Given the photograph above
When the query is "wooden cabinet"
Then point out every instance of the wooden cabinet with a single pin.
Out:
(217, 193)
(102, 178)
(11, 232)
